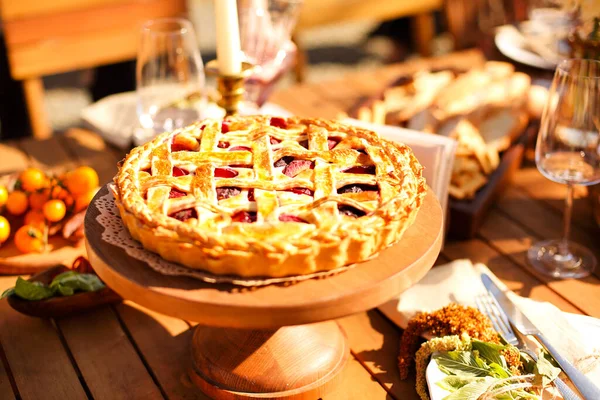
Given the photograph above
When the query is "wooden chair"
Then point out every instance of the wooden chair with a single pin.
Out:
(324, 12)
(49, 37)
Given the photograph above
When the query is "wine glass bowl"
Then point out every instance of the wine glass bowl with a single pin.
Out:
(568, 152)
(265, 37)
(170, 76)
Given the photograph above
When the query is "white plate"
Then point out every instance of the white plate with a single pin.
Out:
(588, 328)
(510, 43)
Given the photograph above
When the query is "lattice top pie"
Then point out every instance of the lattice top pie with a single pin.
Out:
(266, 196)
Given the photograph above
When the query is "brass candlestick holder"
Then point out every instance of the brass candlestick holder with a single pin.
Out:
(231, 87)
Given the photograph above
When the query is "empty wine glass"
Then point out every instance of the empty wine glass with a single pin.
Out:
(170, 77)
(265, 30)
(568, 152)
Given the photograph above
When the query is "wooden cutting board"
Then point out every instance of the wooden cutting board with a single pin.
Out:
(13, 262)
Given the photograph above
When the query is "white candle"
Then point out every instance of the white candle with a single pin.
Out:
(229, 54)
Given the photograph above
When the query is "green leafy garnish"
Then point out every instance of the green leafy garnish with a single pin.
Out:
(68, 282)
(544, 371)
(473, 390)
(462, 363)
(452, 383)
(65, 284)
(481, 371)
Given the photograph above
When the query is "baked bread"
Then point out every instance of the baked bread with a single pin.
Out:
(266, 196)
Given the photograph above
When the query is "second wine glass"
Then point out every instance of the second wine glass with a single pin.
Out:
(568, 152)
(170, 76)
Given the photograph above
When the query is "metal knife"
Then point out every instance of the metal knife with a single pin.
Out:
(584, 386)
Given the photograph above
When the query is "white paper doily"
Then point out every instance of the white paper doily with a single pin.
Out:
(116, 233)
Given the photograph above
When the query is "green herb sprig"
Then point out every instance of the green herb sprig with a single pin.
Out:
(65, 284)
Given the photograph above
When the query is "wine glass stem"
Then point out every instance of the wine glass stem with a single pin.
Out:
(563, 248)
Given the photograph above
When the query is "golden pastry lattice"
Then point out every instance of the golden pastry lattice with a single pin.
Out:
(292, 192)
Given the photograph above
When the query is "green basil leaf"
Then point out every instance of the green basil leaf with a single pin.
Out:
(452, 383)
(8, 292)
(490, 352)
(499, 372)
(462, 363)
(69, 282)
(473, 390)
(32, 290)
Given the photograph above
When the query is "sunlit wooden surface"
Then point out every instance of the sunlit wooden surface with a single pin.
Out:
(127, 351)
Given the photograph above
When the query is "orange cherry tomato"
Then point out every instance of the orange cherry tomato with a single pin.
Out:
(4, 229)
(33, 179)
(84, 200)
(16, 203)
(29, 239)
(54, 210)
(3, 195)
(81, 180)
(35, 218)
(38, 198)
(59, 192)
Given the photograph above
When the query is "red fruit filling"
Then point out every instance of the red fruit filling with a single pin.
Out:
(184, 214)
(223, 145)
(283, 161)
(180, 172)
(251, 195)
(361, 169)
(244, 216)
(278, 122)
(174, 193)
(291, 218)
(226, 192)
(332, 142)
(225, 173)
(274, 140)
(240, 148)
(297, 166)
(301, 190)
(350, 211)
(225, 126)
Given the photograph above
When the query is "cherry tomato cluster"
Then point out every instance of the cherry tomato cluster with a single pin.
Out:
(42, 201)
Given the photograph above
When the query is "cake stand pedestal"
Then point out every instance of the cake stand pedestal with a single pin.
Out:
(270, 342)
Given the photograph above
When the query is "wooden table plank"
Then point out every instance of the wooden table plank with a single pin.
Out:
(6, 387)
(514, 241)
(374, 342)
(357, 384)
(38, 360)
(534, 216)
(535, 185)
(48, 154)
(165, 344)
(305, 101)
(106, 358)
(88, 148)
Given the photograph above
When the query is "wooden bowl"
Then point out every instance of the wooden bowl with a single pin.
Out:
(61, 306)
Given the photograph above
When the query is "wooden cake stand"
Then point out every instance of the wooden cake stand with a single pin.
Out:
(270, 342)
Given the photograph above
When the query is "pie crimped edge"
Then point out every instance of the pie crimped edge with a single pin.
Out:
(268, 248)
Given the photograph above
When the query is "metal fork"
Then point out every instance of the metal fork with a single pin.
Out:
(488, 305)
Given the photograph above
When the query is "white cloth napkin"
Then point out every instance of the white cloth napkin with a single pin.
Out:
(576, 337)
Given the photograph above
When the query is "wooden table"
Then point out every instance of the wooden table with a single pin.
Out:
(129, 352)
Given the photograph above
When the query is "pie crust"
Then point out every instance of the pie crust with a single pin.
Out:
(268, 196)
